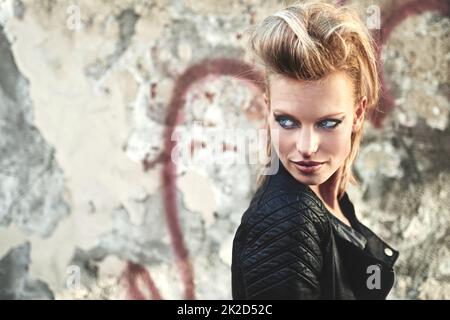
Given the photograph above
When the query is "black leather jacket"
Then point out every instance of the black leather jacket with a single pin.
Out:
(289, 246)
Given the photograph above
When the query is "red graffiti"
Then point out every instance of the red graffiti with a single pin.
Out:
(198, 72)
(132, 274)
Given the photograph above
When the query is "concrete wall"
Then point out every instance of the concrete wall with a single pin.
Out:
(90, 91)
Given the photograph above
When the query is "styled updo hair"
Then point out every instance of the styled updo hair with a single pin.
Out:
(309, 40)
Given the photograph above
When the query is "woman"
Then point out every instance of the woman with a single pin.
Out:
(300, 237)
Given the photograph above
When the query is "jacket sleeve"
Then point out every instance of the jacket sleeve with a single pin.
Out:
(282, 257)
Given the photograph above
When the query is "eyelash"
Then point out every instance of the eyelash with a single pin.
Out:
(278, 119)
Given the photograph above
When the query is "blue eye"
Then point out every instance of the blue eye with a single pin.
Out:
(285, 122)
(326, 123)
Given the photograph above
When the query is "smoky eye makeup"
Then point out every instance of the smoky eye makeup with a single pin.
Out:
(287, 122)
(332, 123)
(284, 121)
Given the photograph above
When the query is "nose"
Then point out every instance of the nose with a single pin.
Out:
(307, 142)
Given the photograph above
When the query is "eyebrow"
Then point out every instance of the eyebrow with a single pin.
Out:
(282, 113)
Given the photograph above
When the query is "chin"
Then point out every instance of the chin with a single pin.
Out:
(309, 179)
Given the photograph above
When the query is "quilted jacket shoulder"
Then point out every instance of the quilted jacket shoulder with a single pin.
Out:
(278, 246)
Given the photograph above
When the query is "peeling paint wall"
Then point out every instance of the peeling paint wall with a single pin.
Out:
(91, 92)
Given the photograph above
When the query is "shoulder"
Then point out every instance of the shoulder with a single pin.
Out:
(276, 202)
(276, 210)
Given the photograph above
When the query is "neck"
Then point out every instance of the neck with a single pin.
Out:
(328, 191)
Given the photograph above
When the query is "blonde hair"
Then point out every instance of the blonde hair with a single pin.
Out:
(307, 42)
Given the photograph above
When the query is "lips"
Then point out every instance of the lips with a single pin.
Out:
(308, 166)
(308, 163)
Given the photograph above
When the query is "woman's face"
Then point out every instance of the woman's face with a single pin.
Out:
(314, 122)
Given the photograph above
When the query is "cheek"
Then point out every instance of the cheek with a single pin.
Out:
(338, 145)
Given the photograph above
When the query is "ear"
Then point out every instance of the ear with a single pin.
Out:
(358, 119)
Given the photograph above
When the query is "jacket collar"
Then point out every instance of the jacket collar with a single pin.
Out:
(374, 244)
